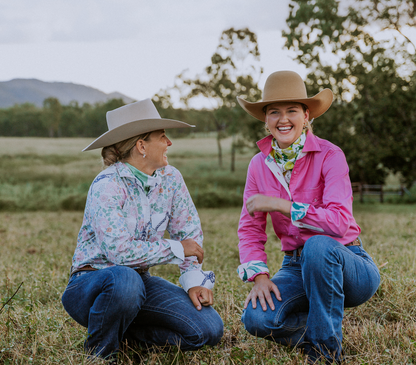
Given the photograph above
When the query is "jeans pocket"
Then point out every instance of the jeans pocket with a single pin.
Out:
(70, 287)
(72, 282)
(359, 251)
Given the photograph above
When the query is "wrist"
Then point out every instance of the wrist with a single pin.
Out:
(261, 277)
(283, 206)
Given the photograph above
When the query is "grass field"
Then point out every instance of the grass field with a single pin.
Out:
(37, 247)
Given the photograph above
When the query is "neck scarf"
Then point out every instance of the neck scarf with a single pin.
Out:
(286, 158)
(145, 180)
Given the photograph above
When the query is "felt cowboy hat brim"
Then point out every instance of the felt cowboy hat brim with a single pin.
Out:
(131, 120)
(288, 86)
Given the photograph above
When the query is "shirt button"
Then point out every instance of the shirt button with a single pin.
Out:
(294, 172)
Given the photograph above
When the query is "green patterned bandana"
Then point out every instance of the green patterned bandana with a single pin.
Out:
(286, 158)
(145, 180)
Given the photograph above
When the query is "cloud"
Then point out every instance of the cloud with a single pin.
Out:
(132, 46)
(26, 21)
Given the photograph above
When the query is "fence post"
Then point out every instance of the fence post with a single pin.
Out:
(360, 189)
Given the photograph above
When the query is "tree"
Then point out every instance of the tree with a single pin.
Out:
(373, 118)
(23, 120)
(234, 70)
(94, 117)
(52, 111)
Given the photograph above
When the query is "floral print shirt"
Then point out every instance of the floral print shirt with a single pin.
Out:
(124, 225)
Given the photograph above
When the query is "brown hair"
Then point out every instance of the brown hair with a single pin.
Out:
(121, 150)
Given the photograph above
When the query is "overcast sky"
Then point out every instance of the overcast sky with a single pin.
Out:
(135, 47)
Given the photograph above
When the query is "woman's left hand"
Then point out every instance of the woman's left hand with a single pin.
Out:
(263, 203)
(201, 295)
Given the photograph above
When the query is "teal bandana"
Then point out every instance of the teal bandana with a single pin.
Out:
(146, 181)
(286, 158)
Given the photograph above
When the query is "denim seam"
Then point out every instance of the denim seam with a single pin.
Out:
(190, 323)
(108, 303)
(370, 264)
(339, 340)
(280, 312)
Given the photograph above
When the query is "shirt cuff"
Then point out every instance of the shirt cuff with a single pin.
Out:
(177, 249)
(199, 277)
(298, 211)
(249, 270)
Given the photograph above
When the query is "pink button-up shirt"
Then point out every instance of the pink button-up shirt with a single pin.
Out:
(320, 179)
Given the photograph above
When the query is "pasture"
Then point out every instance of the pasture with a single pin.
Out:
(42, 186)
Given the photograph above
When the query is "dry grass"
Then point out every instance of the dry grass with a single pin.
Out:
(73, 146)
(37, 250)
(37, 247)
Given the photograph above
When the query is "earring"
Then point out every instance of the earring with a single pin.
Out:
(144, 155)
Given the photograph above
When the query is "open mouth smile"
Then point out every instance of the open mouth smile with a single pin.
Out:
(285, 128)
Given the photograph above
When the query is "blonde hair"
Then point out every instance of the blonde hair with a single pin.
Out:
(121, 150)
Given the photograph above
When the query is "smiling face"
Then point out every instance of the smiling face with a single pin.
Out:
(156, 148)
(285, 122)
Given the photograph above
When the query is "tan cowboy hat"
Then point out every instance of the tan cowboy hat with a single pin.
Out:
(284, 86)
(131, 120)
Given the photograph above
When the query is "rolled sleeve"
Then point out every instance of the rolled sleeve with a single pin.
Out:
(251, 231)
(249, 270)
(199, 277)
(333, 214)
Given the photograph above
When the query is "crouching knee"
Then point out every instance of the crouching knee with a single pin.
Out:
(255, 321)
(206, 330)
(125, 289)
(213, 328)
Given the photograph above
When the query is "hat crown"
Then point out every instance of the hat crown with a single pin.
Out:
(144, 109)
(284, 85)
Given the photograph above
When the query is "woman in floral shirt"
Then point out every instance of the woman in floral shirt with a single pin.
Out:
(129, 207)
(302, 182)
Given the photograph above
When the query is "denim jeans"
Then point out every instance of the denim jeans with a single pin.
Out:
(315, 287)
(117, 303)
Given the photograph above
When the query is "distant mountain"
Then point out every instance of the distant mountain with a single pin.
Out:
(19, 91)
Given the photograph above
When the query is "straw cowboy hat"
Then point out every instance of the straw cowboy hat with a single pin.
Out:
(131, 120)
(288, 86)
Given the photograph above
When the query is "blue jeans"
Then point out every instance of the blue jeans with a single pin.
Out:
(315, 287)
(117, 303)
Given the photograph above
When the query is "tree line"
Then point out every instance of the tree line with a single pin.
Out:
(74, 120)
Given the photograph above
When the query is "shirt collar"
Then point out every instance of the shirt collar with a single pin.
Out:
(311, 144)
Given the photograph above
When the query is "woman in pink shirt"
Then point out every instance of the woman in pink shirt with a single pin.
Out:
(302, 181)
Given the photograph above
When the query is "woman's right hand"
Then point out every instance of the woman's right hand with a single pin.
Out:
(261, 289)
(191, 248)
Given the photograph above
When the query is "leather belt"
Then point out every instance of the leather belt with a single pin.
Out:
(90, 268)
(356, 242)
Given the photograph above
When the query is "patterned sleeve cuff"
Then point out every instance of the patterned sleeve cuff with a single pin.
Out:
(249, 270)
(199, 277)
(177, 249)
(298, 211)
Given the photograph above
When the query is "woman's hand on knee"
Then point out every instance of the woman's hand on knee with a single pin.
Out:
(201, 295)
(262, 288)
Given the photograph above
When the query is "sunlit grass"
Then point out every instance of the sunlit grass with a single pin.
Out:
(56, 174)
(37, 249)
(40, 178)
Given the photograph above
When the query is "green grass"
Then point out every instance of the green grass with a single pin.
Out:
(53, 174)
(42, 186)
(37, 248)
